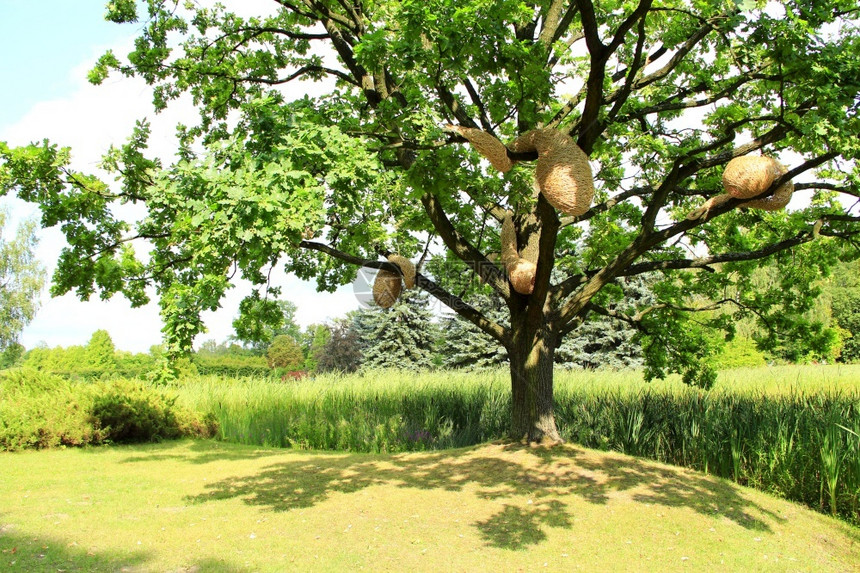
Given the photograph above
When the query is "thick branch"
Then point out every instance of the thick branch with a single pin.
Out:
(637, 64)
(551, 20)
(627, 25)
(606, 205)
(700, 262)
(487, 271)
(587, 124)
(476, 99)
(455, 303)
(453, 105)
(676, 58)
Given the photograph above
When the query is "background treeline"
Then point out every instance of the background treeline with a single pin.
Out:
(410, 336)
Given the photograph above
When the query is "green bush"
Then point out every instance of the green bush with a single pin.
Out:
(40, 410)
(230, 365)
(740, 352)
(125, 411)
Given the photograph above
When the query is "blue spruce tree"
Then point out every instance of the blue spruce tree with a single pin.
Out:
(467, 346)
(402, 336)
(607, 340)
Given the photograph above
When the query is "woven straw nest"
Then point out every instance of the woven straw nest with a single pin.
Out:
(707, 206)
(406, 267)
(488, 146)
(508, 240)
(386, 288)
(389, 284)
(521, 272)
(748, 176)
(562, 173)
(780, 197)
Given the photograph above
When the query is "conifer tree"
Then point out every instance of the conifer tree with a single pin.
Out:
(467, 346)
(401, 336)
(608, 340)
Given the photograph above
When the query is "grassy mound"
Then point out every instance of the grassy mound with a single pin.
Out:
(208, 506)
(793, 431)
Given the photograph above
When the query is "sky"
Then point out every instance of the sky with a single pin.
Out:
(46, 49)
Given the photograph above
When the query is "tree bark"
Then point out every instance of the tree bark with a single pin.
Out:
(532, 404)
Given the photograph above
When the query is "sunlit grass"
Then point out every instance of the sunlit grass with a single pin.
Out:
(210, 506)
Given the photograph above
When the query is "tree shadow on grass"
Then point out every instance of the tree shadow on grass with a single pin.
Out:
(650, 483)
(20, 552)
(546, 477)
(200, 452)
(23, 552)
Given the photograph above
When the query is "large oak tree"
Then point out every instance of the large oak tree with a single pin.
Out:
(659, 94)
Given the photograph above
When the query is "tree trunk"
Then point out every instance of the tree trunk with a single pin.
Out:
(531, 361)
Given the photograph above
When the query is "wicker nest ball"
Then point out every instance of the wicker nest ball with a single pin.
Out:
(750, 175)
(780, 197)
(522, 274)
(487, 145)
(386, 288)
(508, 239)
(406, 267)
(562, 173)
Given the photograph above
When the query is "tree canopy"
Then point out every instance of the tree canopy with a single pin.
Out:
(22, 277)
(660, 96)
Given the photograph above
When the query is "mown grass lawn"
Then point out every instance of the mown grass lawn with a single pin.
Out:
(211, 506)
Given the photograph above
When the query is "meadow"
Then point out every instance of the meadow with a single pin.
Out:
(209, 506)
(791, 431)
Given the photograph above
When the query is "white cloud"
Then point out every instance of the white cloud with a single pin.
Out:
(89, 120)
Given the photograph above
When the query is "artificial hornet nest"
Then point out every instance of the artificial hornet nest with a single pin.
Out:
(780, 197)
(521, 272)
(563, 174)
(388, 285)
(748, 176)
(406, 267)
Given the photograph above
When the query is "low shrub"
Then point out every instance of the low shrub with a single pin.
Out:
(125, 411)
(230, 365)
(41, 410)
(740, 352)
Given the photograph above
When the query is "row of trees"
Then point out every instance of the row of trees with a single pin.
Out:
(409, 335)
